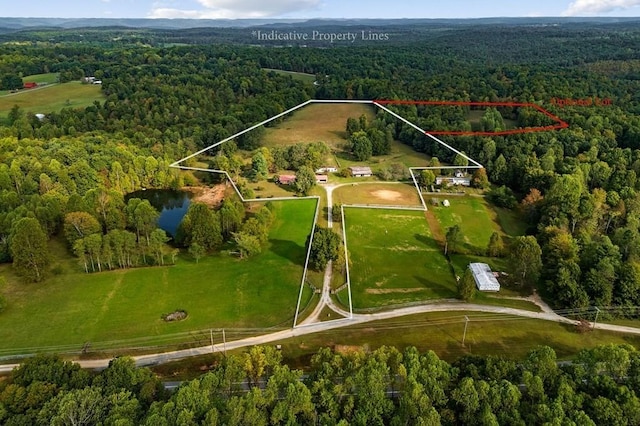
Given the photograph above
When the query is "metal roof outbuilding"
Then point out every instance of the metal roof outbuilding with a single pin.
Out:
(485, 280)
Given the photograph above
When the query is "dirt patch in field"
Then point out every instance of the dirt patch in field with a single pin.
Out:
(393, 290)
(434, 225)
(209, 195)
(387, 195)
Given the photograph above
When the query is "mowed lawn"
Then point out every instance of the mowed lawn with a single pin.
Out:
(317, 123)
(394, 258)
(473, 215)
(52, 98)
(219, 291)
(389, 194)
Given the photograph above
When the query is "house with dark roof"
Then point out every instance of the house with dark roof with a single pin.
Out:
(360, 171)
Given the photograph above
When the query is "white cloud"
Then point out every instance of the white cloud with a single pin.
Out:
(597, 7)
(236, 9)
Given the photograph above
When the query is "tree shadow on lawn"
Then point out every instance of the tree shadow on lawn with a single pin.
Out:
(440, 291)
(428, 241)
(288, 250)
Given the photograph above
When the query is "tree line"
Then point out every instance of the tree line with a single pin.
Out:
(386, 386)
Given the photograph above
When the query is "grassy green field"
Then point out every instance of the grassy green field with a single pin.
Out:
(52, 98)
(317, 123)
(474, 216)
(394, 258)
(219, 291)
(302, 76)
(511, 221)
(400, 153)
(49, 78)
(377, 193)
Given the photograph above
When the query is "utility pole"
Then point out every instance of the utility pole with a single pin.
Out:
(466, 323)
(211, 333)
(595, 321)
(224, 343)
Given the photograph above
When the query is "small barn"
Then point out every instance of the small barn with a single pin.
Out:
(484, 277)
(30, 85)
(360, 171)
(322, 179)
(286, 179)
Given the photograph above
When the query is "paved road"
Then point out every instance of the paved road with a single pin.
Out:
(154, 359)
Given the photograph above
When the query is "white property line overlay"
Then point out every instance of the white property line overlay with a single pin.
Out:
(346, 260)
(318, 199)
(306, 262)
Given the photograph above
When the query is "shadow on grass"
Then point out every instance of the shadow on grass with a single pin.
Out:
(428, 241)
(440, 291)
(288, 250)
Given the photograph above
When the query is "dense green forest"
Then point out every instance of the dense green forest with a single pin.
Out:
(383, 387)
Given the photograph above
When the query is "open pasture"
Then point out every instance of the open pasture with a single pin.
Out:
(220, 291)
(473, 215)
(317, 123)
(394, 258)
(51, 98)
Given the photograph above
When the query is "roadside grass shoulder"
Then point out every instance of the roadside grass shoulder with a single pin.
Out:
(487, 334)
(498, 335)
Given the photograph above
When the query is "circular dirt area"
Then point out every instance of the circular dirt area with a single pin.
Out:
(385, 194)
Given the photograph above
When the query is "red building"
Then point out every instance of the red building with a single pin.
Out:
(286, 179)
(30, 85)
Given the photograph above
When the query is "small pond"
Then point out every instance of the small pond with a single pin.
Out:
(172, 205)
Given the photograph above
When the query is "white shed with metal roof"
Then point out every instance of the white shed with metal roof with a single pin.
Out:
(485, 280)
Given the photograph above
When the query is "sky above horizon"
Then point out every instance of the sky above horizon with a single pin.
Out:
(304, 9)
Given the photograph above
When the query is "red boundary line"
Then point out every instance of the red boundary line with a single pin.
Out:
(561, 124)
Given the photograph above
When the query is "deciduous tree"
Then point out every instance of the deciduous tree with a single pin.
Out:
(525, 256)
(305, 180)
(29, 249)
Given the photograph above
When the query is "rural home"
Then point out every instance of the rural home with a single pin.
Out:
(357, 171)
(30, 85)
(484, 277)
(458, 179)
(322, 170)
(286, 179)
(322, 179)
